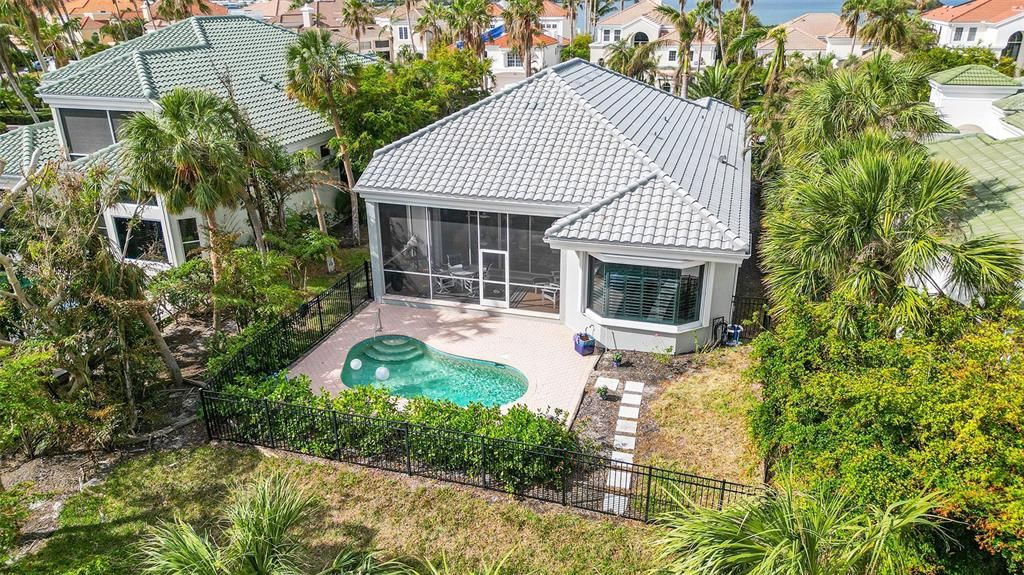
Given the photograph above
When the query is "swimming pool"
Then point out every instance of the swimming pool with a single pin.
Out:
(407, 367)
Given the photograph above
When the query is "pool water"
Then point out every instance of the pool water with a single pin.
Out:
(417, 370)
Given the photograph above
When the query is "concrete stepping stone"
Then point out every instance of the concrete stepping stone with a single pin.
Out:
(619, 479)
(624, 442)
(610, 383)
(622, 457)
(631, 398)
(628, 412)
(625, 426)
(634, 387)
(617, 504)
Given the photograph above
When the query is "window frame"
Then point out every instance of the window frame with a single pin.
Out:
(677, 323)
(972, 33)
(403, 32)
(673, 55)
(511, 57)
(958, 33)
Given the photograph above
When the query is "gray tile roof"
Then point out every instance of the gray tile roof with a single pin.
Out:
(631, 164)
(17, 147)
(199, 53)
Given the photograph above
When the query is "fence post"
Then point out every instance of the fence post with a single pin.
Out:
(206, 413)
(483, 460)
(320, 315)
(351, 306)
(408, 449)
(337, 440)
(369, 279)
(721, 496)
(650, 487)
(270, 424)
(566, 473)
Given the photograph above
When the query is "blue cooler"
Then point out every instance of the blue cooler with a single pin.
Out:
(584, 343)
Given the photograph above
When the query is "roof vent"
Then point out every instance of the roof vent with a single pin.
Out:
(723, 159)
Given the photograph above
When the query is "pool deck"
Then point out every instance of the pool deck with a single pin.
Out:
(542, 349)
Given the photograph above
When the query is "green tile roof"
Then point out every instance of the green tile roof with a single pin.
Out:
(16, 148)
(200, 52)
(1015, 119)
(997, 206)
(973, 75)
(1014, 102)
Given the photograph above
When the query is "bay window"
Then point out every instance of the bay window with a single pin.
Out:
(646, 294)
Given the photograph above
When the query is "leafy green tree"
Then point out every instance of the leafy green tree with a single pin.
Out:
(744, 8)
(703, 19)
(883, 418)
(787, 530)
(430, 24)
(579, 47)
(868, 221)
(735, 24)
(7, 48)
(522, 24)
(187, 153)
(634, 60)
(892, 24)
(468, 20)
(941, 58)
(174, 10)
(358, 16)
(124, 30)
(851, 14)
(320, 75)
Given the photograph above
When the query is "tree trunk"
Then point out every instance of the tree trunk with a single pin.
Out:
(408, 24)
(62, 8)
(211, 227)
(346, 162)
(685, 69)
(721, 45)
(161, 345)
(528, 53)
(743, 30)
(9, 72)
(32, 23)
(254, 221)
(321, 222)
(700, 53)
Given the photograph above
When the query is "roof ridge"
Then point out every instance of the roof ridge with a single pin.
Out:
(463, 112)
(688, 200)
(585, 211)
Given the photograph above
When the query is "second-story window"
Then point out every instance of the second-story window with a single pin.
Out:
(403, 33)
(673, 55)
(87, 131)
(513, 60)
(617, 34)
(606, 35)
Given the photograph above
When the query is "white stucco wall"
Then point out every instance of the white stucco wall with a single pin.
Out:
(987, 34)
(966, 106)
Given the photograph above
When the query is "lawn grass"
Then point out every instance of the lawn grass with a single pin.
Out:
(701, 420)
(100, 528)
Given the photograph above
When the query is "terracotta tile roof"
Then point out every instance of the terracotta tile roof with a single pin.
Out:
(494, 10)
(97, 7)
(808, 31)
(977, 11)
(552, 10)
(538, 40)
(642, 9)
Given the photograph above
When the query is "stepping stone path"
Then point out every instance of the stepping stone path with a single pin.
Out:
(624, 443)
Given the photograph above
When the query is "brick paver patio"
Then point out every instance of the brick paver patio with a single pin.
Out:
(541, 349)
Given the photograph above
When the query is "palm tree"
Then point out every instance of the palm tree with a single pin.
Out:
(573, 8)
(717, 5)
(409, 5)
(633, 60)
(468, 20)
(173, 10)
(522, 23)
(878, 93)
(682, 23)
(744, 6)
(187, 154)
(357, 15)
(25, 12)
(777, 64)
(794, 532)
(318, 72)
(889, 23)
(703, 15)
(870, 220)
(7, 48)
(716, 81)
(429, 24)
(851, 13)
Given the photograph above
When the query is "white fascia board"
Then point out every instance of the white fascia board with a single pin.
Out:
(641, 251)
(471, 204)
(8, 182)
(311, 142)
(91, 103)
(977, 92)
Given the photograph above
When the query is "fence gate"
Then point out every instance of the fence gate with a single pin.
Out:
(752, 314)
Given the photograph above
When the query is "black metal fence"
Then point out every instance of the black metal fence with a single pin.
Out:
(280, 344)
(752, 314)
(569, 478)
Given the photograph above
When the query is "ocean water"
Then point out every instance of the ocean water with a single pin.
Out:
(778, 11)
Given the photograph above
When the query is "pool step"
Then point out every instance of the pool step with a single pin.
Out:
(393, 350)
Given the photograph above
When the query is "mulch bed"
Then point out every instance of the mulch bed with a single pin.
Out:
(596, 417)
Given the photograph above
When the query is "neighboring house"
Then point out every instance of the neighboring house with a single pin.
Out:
(507, 64)
(578, 195)
(323, 14)
(641, 23)
(816, 34)
(90, 99)
(554, 20)
(997, 205)
(978, 99)
(994, 24)
(401, 25)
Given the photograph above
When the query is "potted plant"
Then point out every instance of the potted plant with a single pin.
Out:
(602, 391)
(617, 359)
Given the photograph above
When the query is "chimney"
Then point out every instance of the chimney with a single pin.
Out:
(307, 19)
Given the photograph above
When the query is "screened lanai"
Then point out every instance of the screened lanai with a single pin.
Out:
(486, 258)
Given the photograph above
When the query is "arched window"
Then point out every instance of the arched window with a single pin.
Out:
(1012, 49)
(640, 38)
(666, 86)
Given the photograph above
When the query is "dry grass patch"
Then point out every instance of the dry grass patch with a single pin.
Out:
(700, 420)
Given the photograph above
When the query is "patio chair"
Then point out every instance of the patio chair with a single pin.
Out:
(443, 281)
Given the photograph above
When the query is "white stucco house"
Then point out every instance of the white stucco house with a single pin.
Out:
(994, 24)
(507, 64)
(979, 100)
(641, 23)
(816, 34)
(91, 98)
(580, 196)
